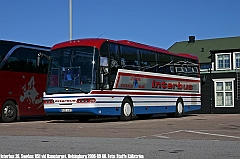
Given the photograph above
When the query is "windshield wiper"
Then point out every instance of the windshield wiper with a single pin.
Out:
(73, 88)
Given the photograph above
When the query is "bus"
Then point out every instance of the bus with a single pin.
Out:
(95, 77)
(22, 82)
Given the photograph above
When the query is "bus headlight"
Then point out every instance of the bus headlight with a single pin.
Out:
(49, 101)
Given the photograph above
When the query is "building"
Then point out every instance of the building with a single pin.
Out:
(220, 71)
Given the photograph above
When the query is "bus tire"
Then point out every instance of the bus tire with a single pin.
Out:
(126, 110)
(179, 108)
(9, 111)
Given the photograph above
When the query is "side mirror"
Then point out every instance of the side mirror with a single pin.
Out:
(38, 60)
(101, 78)
(42, 55)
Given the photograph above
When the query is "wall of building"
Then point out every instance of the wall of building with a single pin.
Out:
(208, 92)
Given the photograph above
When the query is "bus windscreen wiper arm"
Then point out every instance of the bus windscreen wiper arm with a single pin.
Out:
(77, 89)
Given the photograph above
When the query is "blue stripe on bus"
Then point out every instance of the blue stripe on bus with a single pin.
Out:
(110, 111)
(156, 101)
(162, 109)
(192, 108)
(113, 111)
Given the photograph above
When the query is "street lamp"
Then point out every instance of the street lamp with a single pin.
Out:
(211, 57)
(70, 19)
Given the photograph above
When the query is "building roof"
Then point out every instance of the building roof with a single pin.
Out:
(202, 48)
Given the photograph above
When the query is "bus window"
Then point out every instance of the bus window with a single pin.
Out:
(12, 62)
(24, 59)
(130, 58)
(27, 61)
(177, 59)
(189, 69)
(169, 69)
(148, 61)
(179, 70)
(195, 69)
(114, 54)
(162, 60)
(3, 51)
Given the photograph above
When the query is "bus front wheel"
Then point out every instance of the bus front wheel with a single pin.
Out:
(9, 111)
(126, 110)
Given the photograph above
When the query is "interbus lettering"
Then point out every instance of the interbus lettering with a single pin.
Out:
(168, 85)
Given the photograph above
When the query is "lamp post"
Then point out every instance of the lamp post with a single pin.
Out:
(70, 19)
(211, 88)
(211, 57)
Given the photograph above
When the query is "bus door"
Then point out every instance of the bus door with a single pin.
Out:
(114, 63)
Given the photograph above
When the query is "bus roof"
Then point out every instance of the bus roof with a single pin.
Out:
(97, 42)
(7, 42)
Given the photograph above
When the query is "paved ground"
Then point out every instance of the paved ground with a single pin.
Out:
(194, 127)
(215, 136)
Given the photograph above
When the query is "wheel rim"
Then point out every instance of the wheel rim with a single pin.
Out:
(8, 112)
(127, 109)
(180, 108)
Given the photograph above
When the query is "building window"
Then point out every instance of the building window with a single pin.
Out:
(224, 92)
(236, 56)
(223, 61)
(205, 66)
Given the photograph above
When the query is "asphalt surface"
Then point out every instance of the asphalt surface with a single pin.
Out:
(192, 136)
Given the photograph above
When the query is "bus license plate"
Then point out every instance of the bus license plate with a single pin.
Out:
(66, 110)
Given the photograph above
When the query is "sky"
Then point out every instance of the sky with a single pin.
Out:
(159, 23)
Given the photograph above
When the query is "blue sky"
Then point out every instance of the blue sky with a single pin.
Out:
(158, 23)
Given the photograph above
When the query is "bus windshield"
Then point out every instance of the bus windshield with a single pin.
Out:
(72, 69)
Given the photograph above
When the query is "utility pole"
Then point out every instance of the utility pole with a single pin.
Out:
(70, 19)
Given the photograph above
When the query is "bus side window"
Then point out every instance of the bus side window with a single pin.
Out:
(180, 70)
(162, 61)
(27, 58)
(12, 63)
(160, 69)
(131, 56)
(148, 61)
(169, 70)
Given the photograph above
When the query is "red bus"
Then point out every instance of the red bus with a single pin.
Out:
(102, 77)
(22, 82)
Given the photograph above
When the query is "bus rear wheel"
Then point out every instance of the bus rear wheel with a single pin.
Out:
(126, 110)
(179, 108)
(9, 111)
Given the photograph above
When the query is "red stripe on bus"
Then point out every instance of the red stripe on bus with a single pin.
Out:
(156, 77)
(141, 93)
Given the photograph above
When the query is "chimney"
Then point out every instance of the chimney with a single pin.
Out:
(191, 39)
